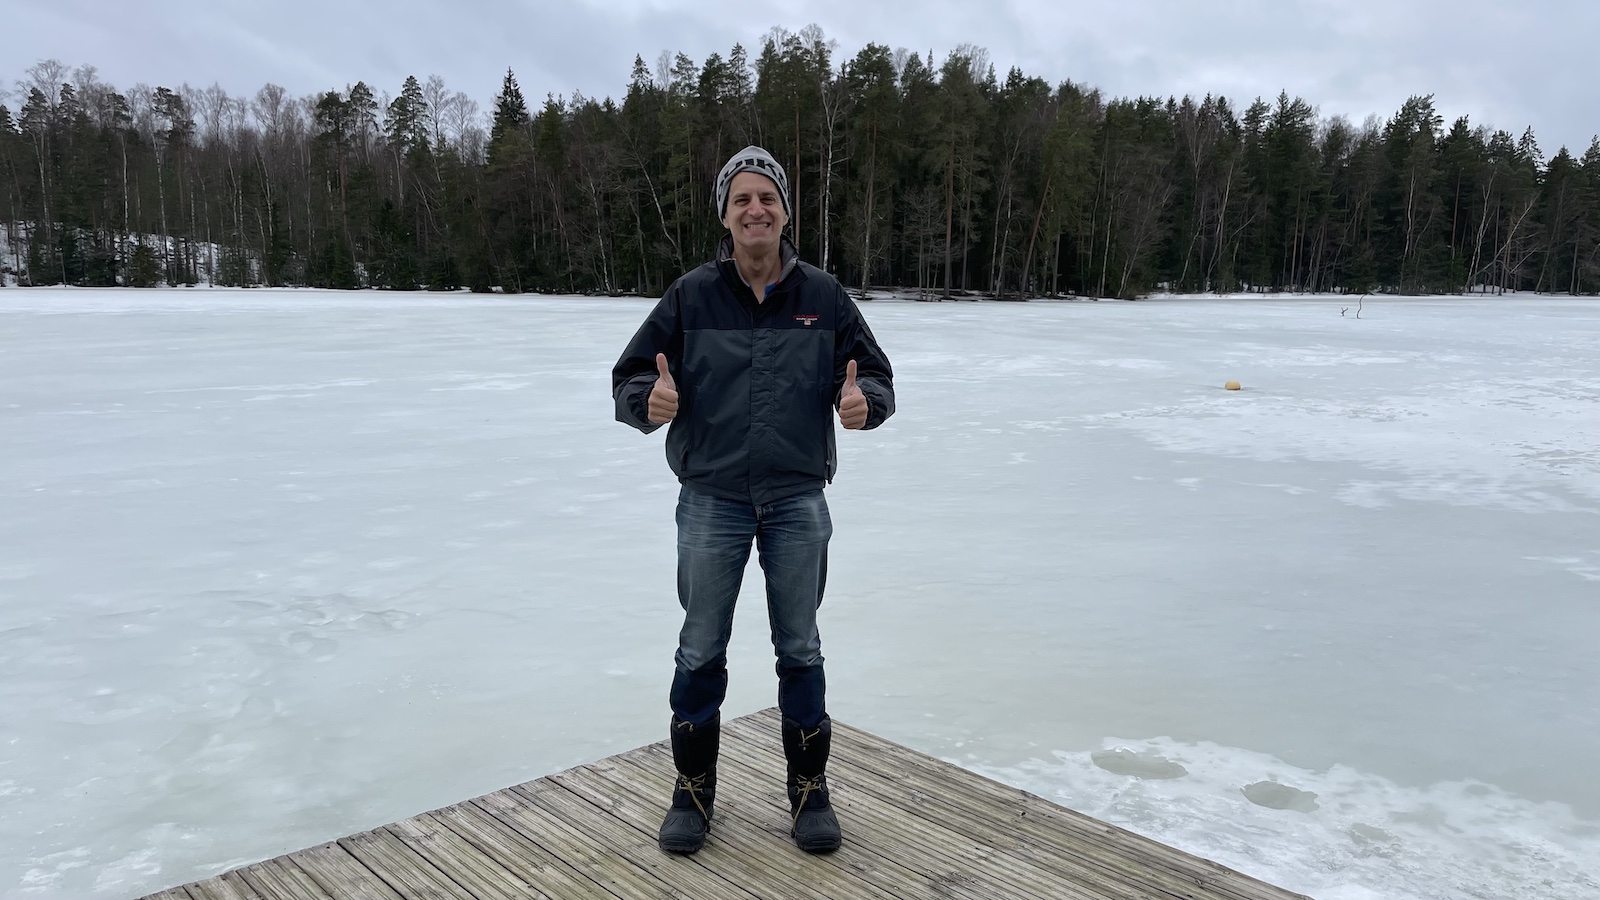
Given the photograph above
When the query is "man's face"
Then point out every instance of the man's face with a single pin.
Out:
(755, 211)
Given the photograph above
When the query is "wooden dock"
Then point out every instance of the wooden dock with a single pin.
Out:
(915, 828)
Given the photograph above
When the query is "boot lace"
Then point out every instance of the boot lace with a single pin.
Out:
(805, 786)
(694, 786)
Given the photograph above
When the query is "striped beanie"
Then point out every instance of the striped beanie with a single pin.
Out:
(751, 159)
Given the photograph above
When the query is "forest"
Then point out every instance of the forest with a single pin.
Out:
(933, 176)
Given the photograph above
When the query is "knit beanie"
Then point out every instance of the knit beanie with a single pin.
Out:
(751, 159)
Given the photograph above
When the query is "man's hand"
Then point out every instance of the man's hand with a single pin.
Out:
(852, 403)
(664, 396)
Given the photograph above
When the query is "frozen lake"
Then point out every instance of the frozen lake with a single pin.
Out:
(276, 567)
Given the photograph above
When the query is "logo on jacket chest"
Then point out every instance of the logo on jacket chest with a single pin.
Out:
(807, 320)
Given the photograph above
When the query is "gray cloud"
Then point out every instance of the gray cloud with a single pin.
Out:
(1507, 65)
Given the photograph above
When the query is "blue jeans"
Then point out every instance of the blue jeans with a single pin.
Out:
(714, 535)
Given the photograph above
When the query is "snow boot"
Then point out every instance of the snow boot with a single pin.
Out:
(815, 827)
(694, 755)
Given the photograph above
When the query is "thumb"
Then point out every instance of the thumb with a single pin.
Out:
(661, 368)
(850, 375)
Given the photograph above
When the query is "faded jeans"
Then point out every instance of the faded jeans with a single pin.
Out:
(714, 535)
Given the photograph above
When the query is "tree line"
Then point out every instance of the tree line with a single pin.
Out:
(938, 177)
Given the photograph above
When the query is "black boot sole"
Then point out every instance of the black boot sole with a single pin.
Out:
(683, 844)
(819, 847)
(682, 848)
(818, 837)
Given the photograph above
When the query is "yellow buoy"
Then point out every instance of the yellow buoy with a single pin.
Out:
(1232, 385)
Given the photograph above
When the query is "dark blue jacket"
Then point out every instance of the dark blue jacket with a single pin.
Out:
(757, 382)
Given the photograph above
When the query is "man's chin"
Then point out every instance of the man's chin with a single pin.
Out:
(757, 241)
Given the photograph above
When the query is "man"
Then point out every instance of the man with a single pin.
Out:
(745, 356)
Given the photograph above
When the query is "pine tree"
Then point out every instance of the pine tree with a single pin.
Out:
(144, 269)
(510, 114)
(405, 120)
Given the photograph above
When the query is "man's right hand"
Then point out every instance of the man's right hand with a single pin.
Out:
(664, 396)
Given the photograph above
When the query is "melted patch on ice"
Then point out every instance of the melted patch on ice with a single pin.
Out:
(1137, 765)
(1273, 795)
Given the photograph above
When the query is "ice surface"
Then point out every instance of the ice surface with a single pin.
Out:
(280, 566)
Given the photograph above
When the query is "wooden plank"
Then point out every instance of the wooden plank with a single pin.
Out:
(446, 851)
(758, 851)
(228, 886)
(523, 857)
(279, 879)
(234, 882)
(342, 875)
(1129, 856)
(647, 755)
(401, 868)
(177, 893)
(599, 863)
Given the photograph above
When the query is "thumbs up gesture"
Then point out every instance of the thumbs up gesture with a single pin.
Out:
(664, 396)
(852, 403)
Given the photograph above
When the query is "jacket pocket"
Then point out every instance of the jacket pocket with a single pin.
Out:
(677, 452)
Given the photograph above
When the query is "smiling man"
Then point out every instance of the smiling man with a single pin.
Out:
(747, 357)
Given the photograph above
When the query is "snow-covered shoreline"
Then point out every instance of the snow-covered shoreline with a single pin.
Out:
(130, 297)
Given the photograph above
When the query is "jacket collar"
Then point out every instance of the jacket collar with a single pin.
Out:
(730, 269)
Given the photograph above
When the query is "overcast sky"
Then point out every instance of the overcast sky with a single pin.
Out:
(1506, 63)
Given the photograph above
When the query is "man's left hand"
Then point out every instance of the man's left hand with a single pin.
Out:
(852, 403)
